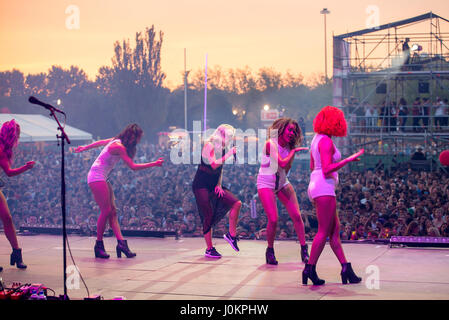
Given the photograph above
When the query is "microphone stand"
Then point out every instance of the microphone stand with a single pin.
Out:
(63, 137)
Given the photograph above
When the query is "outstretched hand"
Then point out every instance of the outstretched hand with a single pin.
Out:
(79, 149)
(159, 162)
(30, 164)
(355, 156)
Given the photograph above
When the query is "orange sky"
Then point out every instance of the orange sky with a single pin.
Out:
(282, 34)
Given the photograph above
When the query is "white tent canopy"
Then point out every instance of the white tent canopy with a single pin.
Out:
(36, 127)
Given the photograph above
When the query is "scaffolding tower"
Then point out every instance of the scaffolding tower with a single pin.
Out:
(378, 74)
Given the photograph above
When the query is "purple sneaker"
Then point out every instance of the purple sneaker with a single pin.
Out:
(212, 253)
(232, 241)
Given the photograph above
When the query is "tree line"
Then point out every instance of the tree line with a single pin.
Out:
(132, 90)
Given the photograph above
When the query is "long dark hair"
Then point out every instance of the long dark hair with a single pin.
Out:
(129, 137)
(280, 125)
(9, 138)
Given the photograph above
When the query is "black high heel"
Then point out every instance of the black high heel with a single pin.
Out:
(269, 256)
(305, 253)
(16, 259)
(122, 246)
(347, 274)
(309, 272)
(100, 252)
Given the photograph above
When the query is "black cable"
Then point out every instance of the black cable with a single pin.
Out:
(54, 293)
(79, 272)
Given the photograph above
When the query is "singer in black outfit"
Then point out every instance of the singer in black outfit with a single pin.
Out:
(213, 200)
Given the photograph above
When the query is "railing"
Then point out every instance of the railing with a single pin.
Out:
(402, 124)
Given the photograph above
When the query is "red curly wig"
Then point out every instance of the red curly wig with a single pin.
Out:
(330, 121)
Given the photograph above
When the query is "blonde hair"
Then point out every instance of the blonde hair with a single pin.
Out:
(219, 135)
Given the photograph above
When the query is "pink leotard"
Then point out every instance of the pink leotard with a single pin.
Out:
(103, 165)
(320, 185)
(272, 176)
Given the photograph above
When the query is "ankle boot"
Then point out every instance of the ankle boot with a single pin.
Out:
(309, 272)
(16, 258)
(305, 253)
(347, 274)
(122, 246)
(100, 252)
(269, 256)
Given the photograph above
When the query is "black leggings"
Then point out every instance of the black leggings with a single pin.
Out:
(211, 207)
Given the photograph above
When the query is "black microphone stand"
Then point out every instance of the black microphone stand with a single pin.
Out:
(63, 137)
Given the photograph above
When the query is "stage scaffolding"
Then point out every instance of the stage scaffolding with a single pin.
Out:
(374, 68)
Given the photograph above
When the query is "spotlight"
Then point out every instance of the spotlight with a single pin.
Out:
(416, 47)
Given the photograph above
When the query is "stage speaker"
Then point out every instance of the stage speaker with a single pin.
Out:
(130, 231)
(423, 87)
(381, 88)
(442, 242)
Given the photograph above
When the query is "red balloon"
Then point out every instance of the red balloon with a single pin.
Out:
(444, 158)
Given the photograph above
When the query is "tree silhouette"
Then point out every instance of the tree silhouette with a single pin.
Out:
(134, 82)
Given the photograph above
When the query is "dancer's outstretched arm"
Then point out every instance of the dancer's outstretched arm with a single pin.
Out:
(272, 151)
(327, 150)
(117, 148)
(11, 172)
(96, 144)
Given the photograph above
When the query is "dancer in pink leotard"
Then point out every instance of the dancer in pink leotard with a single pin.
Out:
(324, 163)
(121, 147)
(9, 139)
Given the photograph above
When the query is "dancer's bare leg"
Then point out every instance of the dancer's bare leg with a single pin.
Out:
(234, 217)
(113, 219)
(8, 224)
(325, 211)
(287, 196)
(268, 200)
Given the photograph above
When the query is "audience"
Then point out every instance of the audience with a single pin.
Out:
(371, 204)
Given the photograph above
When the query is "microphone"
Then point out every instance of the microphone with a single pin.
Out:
(235, 154)
(47, 106)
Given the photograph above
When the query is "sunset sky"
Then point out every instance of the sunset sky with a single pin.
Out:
(282, 34)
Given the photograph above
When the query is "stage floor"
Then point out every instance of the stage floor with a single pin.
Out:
(169, 269)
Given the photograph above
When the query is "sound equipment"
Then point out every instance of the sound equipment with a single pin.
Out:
(423, 87)
(127, 231)
(381, 88)
(410, 241)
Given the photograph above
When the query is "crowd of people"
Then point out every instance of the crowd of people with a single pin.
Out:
(371, 205)
(419, 115)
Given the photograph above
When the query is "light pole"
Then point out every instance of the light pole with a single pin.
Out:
(186, 73)
(324, 12)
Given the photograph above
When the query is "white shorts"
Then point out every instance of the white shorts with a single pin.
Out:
(269, 182)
